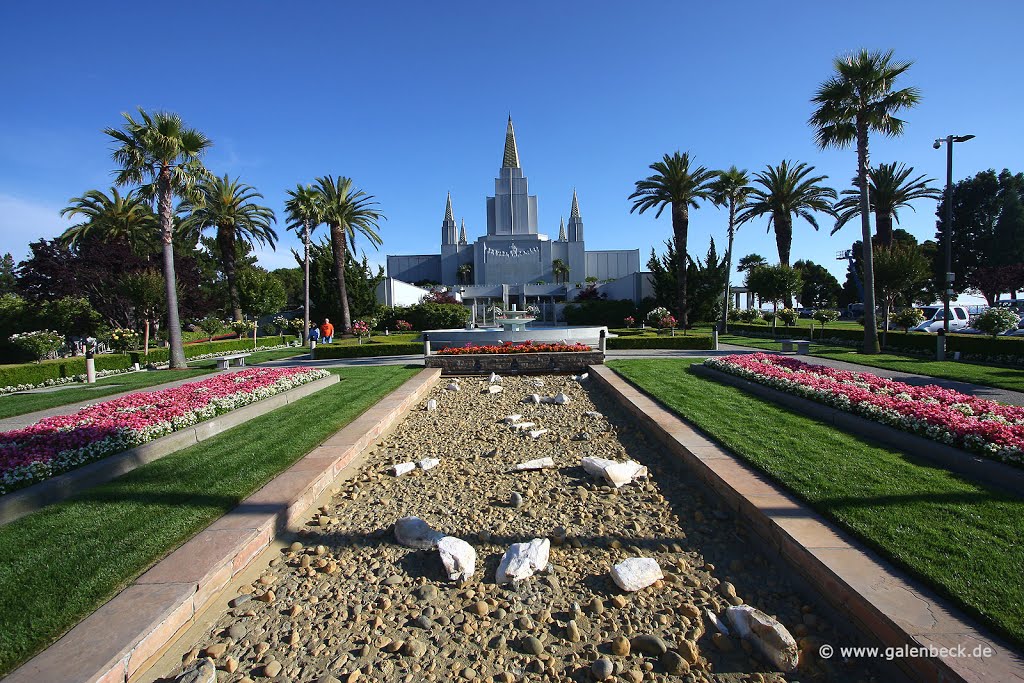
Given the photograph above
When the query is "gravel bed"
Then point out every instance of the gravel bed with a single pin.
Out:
(345, 602)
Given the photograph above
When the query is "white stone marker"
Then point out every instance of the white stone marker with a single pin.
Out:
(512, 419)
(636, 573)
(458, 557)
(521, 560)
(428, 463)
(767, 635)
(431, 405)
(453, 386)
(536, 433)
(618, 474)
(494, 378)
(538, 464)
(403, 468)
(492, 389)
(413, 532)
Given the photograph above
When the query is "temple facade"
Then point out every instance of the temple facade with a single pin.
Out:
(513, 253)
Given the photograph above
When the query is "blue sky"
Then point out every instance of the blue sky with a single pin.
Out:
(410, 100)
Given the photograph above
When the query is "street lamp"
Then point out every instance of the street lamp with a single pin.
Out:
(949, 140)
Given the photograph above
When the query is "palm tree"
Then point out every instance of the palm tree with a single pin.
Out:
(303, 210)
(859, 99)
(160, 151)
(115, 217)
(787, 191)
(675, 183)
(560, 269)
(346, 210)
(229, 207)
(465, 272)
(888, 191)
(731, 189)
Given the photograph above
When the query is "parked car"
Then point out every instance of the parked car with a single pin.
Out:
(934, 317)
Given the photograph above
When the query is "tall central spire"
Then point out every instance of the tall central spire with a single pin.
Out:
(511, 158)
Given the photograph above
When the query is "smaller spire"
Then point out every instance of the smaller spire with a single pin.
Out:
(449, 215)
(575, 211)
(511, 156)
(561, 229)
(462, 233)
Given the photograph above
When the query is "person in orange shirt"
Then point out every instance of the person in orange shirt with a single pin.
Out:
(327, 331)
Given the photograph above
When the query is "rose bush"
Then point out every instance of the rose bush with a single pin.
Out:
(992, 429)
(510, 347)
(63, 442)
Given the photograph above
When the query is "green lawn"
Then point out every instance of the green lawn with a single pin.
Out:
(962, 538)
(19, 404)
(377, 338)
(61, 563)
(255, 358)
(998, 376)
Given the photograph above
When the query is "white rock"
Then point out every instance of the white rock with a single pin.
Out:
(458, 557)
(561, 399)
(492, 389)
(716, 622)
(413, 532)
(454, 386)
(536, 433)
(428, 463)
(523, 425)
(616, 473)
(582, 377)
(521, 560)
(593, 413)
(636, 573)
(494, 378)
(538, 464)
(403, 468)
(537, 382)
(512, 419)
(532, 398)
(432, 405)
(766, 634)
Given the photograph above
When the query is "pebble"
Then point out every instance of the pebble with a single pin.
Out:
(532, 646)
(620, 646)
(515, 500)
(237, 631)
(414, 648)
(602, 669)
(572, 631)
(272, 668)
(427, 592)
(674, 663)
(650, 644)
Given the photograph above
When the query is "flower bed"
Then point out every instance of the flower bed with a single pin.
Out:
(511, 347)
(992, 429)
(61, 443)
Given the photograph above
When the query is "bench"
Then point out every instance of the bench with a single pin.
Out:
(224, 362)
(803, 346)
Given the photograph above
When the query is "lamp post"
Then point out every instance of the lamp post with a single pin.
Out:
(949, 140)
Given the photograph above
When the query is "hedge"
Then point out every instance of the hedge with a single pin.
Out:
(969, 345)
(603, 312)
(426, 316)
(368, 350)
(680, 341)
(37, 373)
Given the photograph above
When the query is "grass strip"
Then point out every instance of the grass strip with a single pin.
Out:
(60, 564)
(19, 404)
(964, 539)
(998, 376)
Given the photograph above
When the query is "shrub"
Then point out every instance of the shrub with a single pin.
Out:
(768, 316)
(361, 328)
(40, 344)
(629, 321)
(403, 326)
(599, 312)
(243, 328)
(735, 315)
(826, 316)
(426, 316)
(369, 349)
(995, 321)
(692, 341)
(788, 316)
(122, 340)
(907, 318)
(656, 315)
(750, 315)
(210, 325)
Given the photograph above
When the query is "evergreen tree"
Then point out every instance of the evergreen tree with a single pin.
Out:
(819, 288)
(8, 282)
(707, 281)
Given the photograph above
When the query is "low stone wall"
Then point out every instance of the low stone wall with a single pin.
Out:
(25, 501)
(515, 363)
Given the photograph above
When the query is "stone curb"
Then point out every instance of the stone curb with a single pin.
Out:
(880, 599)
(33, 498)
(515, 363)
(983, 470)
(122, 637)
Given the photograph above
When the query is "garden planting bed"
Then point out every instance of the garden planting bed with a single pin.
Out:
(508, 358)
(62, 455)
(929, 421)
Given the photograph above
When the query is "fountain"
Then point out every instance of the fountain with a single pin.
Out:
(515, 321)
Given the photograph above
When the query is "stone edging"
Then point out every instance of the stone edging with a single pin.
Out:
(880, 599)
(970, 465)
(548, 362)
(25, 501)
(123, 636)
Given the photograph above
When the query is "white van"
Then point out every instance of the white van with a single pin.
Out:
(934, 317)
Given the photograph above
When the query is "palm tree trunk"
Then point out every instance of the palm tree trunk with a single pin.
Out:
(145, 338)
(870, 322)
(728, 265)
(784, 236)
(177, 354)
(338, 244)
(226, 243)
(305, 298)
(883, 228)
(680, 228)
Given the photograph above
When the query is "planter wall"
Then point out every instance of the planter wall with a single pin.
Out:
(515, 363)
